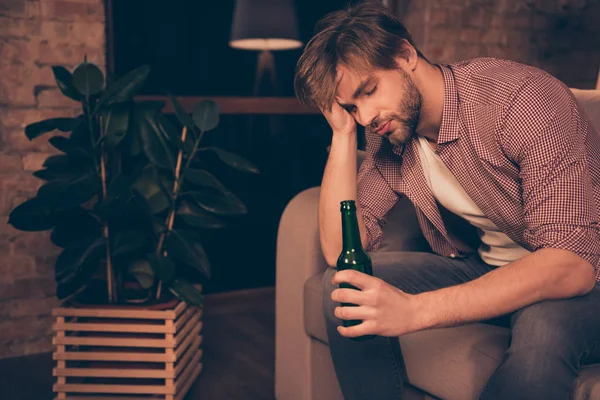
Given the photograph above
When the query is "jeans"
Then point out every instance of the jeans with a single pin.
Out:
(550, 340)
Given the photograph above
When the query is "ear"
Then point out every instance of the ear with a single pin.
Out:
(408, 58)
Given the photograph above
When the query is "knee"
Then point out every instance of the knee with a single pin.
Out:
(543, 333)
(542, 324)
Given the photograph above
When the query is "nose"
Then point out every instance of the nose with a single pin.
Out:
(366, 115)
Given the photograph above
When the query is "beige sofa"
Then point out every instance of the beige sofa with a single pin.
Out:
(449, 364)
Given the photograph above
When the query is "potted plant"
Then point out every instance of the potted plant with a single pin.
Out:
(125, 199)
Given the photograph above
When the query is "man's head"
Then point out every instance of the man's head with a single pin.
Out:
(359, 58)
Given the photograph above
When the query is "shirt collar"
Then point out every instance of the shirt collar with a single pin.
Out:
(449, 129)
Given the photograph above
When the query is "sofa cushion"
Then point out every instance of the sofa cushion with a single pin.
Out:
(450, 363)
(590, 101)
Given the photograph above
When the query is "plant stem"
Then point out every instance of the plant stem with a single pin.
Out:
(112, 298)
(88, 114)
(171, 216)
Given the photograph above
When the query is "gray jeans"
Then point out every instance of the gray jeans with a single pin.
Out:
(550, 340)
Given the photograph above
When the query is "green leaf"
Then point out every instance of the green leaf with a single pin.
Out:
(64, 81)
(79, 190)
(88, 79)
(59, 161)
(168, 130)
(31, 215)
(149, 189)
(119, 186)
(116, 120)
(233, 160)
(126, 242)
(81, 138)
(137, 124)
(62, 124)
(155, 146)
(184, 246)
(204, 178)
(219, 204)
(142, 271)
(73, 225)
(76, 265)
(187, 292)
(49, 192)
(163, 268)
(66, 193)
(125, 88)
(197, 217)
(206, 115)
(68, 166)
(60, 143)
(49, 174)
(182, 115)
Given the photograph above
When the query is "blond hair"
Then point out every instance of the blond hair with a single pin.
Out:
(363, 36)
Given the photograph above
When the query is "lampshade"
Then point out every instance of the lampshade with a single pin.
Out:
(264, 25)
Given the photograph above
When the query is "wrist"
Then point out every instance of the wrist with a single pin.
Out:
(424, 311)
(344, 134)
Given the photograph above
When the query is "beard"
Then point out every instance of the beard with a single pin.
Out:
(407, 114)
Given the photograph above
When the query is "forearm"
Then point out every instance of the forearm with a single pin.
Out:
(338, 184)
(543, 275)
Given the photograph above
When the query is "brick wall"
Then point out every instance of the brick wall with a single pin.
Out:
(559, 36)
(34, 34)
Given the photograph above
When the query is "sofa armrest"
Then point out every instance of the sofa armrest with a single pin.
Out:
(298, 258)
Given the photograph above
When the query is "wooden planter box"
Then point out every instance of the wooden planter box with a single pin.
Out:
(129, 353)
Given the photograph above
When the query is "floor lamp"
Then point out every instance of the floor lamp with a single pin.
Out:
(266, 26)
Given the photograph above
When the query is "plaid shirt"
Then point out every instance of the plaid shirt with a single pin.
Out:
(520, 146)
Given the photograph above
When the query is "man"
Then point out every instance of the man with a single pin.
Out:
(503, 147)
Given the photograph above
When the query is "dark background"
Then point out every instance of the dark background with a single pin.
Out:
(186, 46)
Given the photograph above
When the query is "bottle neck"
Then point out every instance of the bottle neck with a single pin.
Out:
(350, 231)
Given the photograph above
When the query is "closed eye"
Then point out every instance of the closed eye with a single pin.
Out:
(371, 91)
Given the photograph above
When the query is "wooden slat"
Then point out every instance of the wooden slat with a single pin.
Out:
(61, 363)
(114, 342)
(239, 105)
(180, 322)
(112, 356)
(112, 373)
(101, 313)
(184, 385)
(193, 352)
(181, 327)
(189, 329)
(181, 307)
(104, 327)
(106, 388)
(186, 343)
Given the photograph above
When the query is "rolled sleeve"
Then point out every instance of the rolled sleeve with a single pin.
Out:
(375, 198)
(559, 207)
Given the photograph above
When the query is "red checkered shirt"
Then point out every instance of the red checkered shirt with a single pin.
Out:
(520, 146)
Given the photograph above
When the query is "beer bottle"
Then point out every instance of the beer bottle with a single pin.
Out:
(352, 256)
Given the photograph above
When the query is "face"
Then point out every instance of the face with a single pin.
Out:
(385, 102)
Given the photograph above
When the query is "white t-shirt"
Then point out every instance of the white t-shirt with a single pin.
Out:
(496, 248)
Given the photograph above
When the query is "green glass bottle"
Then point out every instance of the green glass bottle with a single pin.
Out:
(352, 256)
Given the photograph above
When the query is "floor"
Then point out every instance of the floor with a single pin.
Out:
(239, 354)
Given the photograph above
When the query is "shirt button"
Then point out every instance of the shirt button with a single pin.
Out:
(452, 255)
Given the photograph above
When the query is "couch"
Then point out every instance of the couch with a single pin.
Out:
(450, 363)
